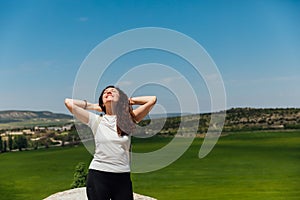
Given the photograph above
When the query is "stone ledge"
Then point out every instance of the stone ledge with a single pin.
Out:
(80, 194)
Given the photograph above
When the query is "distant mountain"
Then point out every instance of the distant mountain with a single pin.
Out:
(236, 119)
(262, 118)
(9, 116)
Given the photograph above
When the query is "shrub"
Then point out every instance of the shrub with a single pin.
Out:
(80, 176)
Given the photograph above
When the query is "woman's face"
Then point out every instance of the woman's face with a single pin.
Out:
(110, 95)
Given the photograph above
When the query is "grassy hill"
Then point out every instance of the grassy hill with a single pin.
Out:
(263, 118)
(260, 165)
(19, 119)
(18, 115)
(237, 119)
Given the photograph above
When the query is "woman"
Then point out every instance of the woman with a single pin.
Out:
(109, 171)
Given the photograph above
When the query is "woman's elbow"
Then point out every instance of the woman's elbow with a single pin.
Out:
(68, 104)
(154, 99)
(67, 101)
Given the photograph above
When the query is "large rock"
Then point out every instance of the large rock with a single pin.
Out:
(80, 194)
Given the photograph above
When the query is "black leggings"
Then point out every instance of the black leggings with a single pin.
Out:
(107, 185)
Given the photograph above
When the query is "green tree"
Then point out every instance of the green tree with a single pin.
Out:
(10, 142)
(80, 176)
(21, 142)
(4, 146)
(1, 144)
(35, 144)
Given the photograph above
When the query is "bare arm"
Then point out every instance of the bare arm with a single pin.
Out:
(146, 103)
(78, 109)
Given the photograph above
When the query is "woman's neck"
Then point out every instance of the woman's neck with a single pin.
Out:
(109, 110)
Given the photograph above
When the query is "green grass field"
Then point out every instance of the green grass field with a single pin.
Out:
(257, 165)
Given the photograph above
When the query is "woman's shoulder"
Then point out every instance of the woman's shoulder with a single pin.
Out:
(94, 121)
(93, 117)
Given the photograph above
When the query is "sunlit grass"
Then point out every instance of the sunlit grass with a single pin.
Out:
(241, 166)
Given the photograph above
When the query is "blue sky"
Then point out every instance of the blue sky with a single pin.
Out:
(255, 45)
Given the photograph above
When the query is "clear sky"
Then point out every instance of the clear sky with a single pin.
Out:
(255, 45)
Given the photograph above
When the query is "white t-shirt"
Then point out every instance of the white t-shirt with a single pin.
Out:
(111, 150)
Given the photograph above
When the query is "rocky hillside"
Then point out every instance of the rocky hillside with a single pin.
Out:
(258, 118)
(237, 119)
(21, 116)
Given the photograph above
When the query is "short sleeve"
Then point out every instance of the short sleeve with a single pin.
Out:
(94, 121)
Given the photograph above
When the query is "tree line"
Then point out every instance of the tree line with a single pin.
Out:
(19, 142)
(43, 139)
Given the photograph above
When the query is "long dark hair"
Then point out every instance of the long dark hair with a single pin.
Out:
(124, 112)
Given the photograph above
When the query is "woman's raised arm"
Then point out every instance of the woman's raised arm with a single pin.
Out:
(146, 103)
(79, 108)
